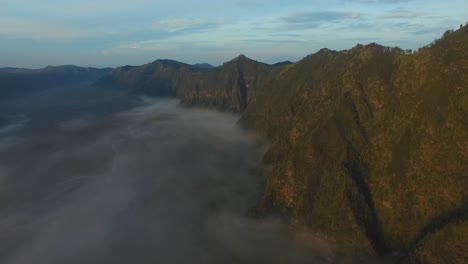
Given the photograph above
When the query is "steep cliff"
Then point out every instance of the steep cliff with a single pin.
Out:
(368, 145)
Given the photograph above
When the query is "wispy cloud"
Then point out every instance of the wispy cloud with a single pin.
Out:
(309, 20)
(315, 17)
(177, 24)
(139, 46)
(427, 30)
(134, 45)
(384, 1)
(38, 30)
(402, 14)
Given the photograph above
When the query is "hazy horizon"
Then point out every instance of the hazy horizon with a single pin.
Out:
(86, 66)
(108, 33)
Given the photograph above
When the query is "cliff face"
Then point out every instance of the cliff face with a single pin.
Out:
(369, 145)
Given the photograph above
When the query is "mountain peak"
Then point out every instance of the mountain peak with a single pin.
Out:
(241, 57)
(283, 63)
(171, 63)
(203, 66)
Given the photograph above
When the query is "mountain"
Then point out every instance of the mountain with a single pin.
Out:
(229, 87)
(15, 82)
(203, 66)
(368, 145)
(10, 70)
(283, 63)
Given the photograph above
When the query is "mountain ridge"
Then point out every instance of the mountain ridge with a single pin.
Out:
(351, 134)
(15, 82)
(203, 66)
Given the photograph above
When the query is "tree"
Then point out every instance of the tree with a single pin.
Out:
(447, 33)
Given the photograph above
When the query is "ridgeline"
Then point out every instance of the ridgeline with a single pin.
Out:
(17, 82)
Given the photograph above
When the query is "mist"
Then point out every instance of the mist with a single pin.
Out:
(101, 176)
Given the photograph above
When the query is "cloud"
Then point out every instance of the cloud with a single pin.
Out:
(310, 20)
(382, 1)
(427, 30)
(186, 24)
(8, 143)
(167, 33)
(402, 14)
(79, 123)
(16, 28)
(75, 9)
(316, 17)
(144, 45)
(13, 123)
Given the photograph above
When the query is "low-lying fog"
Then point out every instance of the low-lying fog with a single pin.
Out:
(105, 177)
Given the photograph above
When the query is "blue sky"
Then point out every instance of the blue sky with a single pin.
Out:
(36, 33)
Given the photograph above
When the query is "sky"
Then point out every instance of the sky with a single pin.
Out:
(103, 33)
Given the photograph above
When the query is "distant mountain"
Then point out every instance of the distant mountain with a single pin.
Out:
(15, 70)
(368, 145)
(15, 82)
(203, 66)
(283, 63)
(74, 70)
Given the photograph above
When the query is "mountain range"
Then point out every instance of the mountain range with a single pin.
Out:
(16, 82)
(369, 146)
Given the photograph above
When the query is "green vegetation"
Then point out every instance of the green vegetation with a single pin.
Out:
(368, 146)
